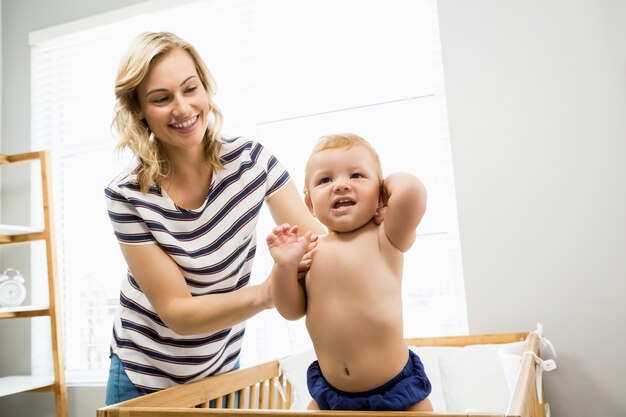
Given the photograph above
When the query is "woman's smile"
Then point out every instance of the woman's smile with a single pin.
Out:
(186, 126)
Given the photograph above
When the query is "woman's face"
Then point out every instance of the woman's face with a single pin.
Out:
(174, 102)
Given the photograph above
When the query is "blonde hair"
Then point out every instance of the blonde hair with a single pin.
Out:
(340, 141)
(133, 130)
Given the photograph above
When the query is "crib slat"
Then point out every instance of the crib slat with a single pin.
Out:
(262, 394)
(280, 400)
(272, 394)
(254, 399)
(230, 400)
(240, 395)
(288, 392)
(244, 398)
(282, 395)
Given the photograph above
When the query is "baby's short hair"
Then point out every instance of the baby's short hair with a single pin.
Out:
(341, 141)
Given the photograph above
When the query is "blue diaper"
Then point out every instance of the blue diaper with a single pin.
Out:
(409, 387)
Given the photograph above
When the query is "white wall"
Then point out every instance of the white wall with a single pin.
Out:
(537, 99)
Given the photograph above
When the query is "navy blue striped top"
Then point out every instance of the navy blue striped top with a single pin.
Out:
(214, 246)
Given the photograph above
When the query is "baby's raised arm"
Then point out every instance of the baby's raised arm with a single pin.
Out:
(405, 197)
(287, 250)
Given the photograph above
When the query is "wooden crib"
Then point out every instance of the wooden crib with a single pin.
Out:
(262, 391)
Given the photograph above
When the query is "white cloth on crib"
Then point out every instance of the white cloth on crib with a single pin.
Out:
(480, 378)
(476, 378)
(294, 367)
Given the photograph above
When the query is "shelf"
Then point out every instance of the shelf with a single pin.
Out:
(12, 234)
(12, 230)
(15, 384)
(23, 311)
(19, 234)
(21, 157)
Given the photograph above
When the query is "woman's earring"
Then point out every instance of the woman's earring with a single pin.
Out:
(151, 138)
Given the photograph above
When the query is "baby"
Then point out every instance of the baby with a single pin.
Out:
(351, 294)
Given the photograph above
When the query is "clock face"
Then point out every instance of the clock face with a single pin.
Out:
(12, 293)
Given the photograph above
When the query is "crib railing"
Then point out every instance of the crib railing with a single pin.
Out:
(259, 387)
(262, 391)
(459, 341)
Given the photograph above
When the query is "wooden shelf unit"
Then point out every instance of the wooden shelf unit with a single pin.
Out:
(10, 234)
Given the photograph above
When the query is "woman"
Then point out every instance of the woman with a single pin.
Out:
(185, 219)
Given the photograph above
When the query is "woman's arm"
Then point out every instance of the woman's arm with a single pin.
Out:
(164, 285)
(405, 197)
(287, 206)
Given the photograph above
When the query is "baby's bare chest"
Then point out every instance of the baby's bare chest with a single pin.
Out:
(347, 265)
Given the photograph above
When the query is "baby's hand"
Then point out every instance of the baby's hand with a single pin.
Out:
(286, 247)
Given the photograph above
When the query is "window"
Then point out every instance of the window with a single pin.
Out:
(287, 72)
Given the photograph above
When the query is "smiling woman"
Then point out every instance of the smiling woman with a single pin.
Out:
(284, 90)
(174, 104)
(186, 224)
(175, 107)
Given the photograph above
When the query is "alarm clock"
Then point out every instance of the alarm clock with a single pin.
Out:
(12, 288)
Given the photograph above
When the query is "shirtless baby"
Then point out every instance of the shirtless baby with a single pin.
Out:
(351, 294)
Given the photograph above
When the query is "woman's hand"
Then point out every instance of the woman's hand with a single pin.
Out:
(305, 264)
(307, 259)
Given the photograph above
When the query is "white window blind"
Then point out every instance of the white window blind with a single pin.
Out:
(287, 72)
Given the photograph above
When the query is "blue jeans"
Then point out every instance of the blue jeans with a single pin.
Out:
(119, 387)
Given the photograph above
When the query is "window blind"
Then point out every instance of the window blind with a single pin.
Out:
(287, 73)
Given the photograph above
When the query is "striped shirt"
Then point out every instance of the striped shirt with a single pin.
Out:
(214, 247)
